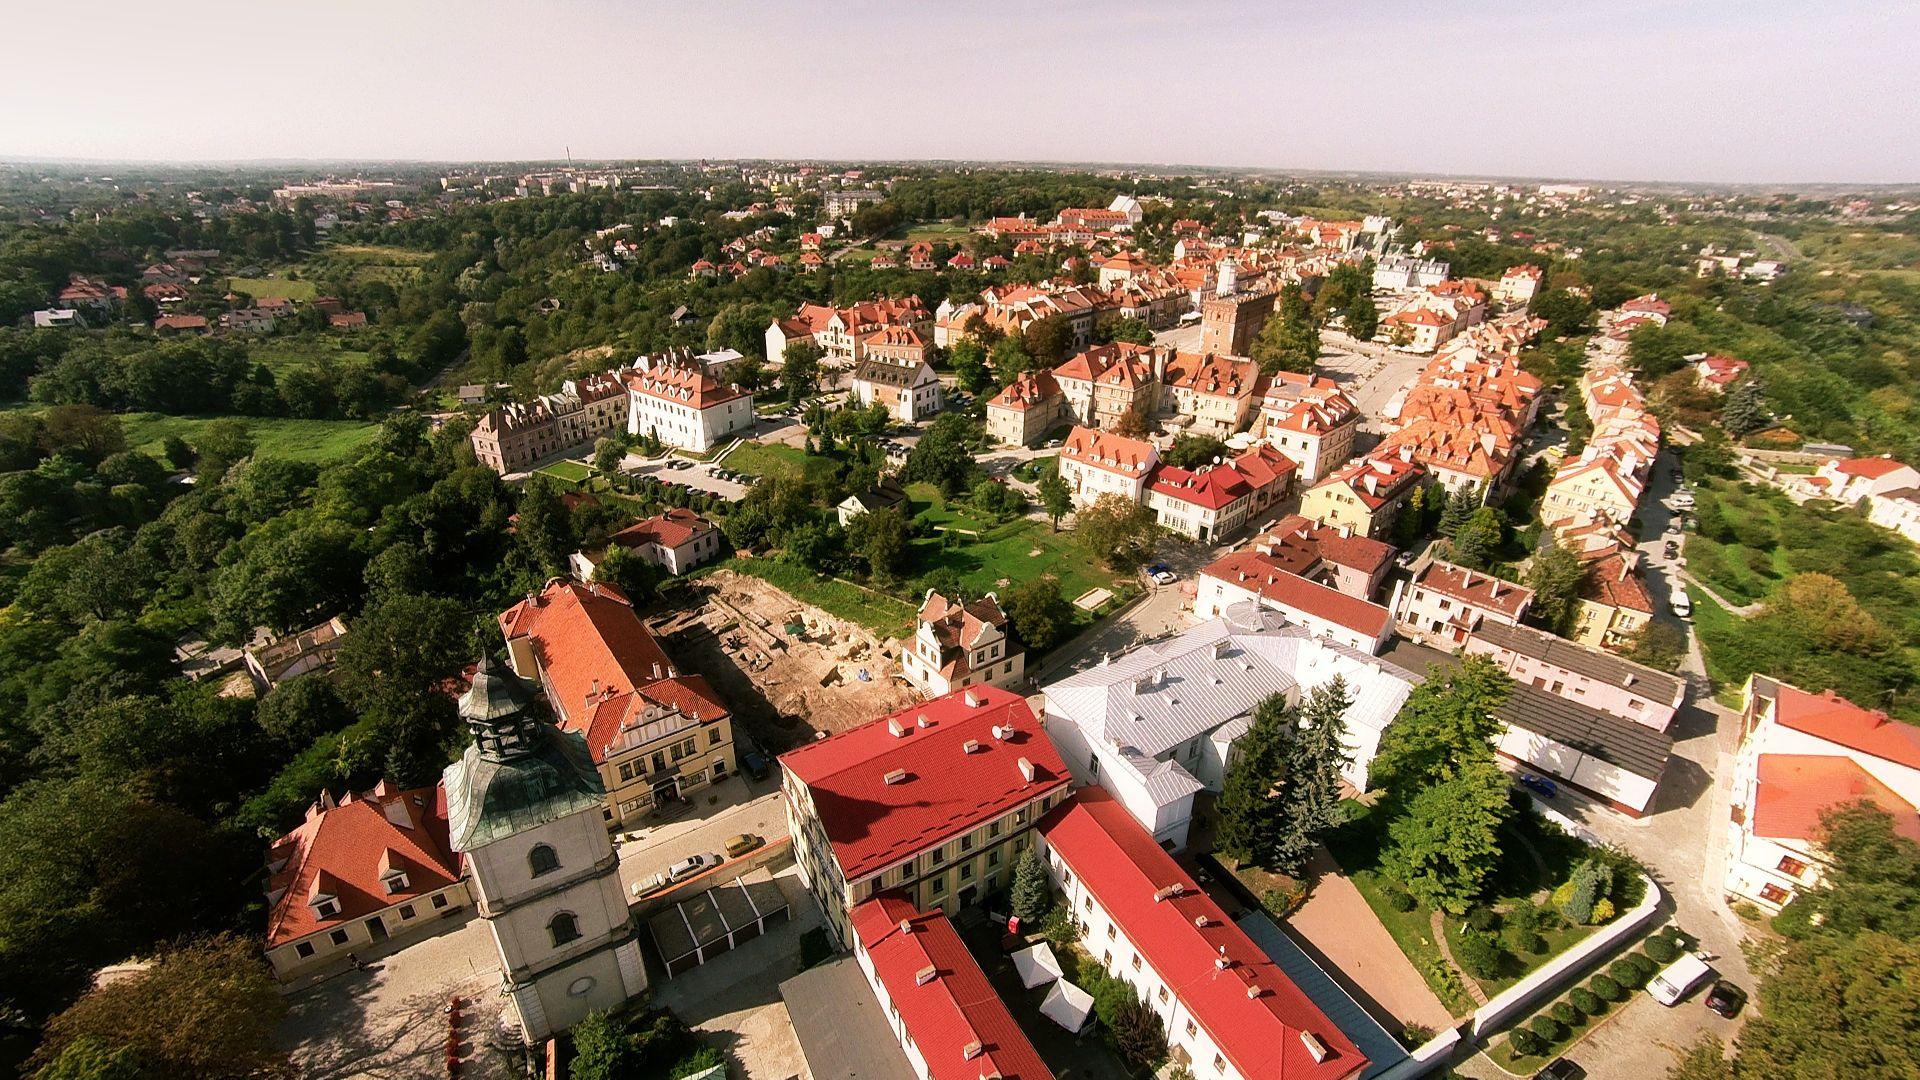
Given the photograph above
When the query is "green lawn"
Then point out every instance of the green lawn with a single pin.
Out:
(284, 354)
(1413, 932)
(777, 459)
(259, 287)
(571, 471)
(319, 441)
(1010, 552)
(936, 232)
(886, 616)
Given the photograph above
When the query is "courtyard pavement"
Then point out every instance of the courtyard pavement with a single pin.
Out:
(1342, 932)
(738, 805)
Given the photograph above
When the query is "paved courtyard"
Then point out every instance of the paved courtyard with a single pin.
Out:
(1359, 954)
(741, 805)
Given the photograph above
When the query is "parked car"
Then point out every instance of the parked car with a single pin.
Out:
(1540, 786)
(650, 885)
(1164, 577)
(1561, 1069)
(752, 762)
(1726, 998)
(1679, 979)
(739, 845)
(691, 865)
(1681, 604)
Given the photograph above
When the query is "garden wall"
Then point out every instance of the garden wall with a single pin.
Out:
(1566, 968)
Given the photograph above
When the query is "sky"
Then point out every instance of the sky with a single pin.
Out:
(1752, 91)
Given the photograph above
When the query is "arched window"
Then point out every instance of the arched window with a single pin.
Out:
(563, 928)
(542, 860)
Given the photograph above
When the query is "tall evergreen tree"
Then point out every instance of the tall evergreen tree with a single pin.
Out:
(1745, 410)
(1251, 817)
(1310, 784)
(1030, 892)
(1460, 506)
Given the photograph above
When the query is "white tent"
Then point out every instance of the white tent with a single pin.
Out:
(1037, 966)
(1067, 1005)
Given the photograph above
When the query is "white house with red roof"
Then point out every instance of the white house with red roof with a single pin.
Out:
(675, 540)
(1249, 576)
(1445, 603)
(358, 872)
(1333, 555)
(1205, 503)
(962, 643)
(1310, 420)
(1228, 1010)
(1850, 480)
(943, 1011)
(656, 734)
(683, 406)
(1717, 374)
(1026, 409)
(1518, 285)
(1095, 463)
(1801, 755)
(933, 803)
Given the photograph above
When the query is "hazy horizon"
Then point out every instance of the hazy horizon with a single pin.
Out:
(1644, 91)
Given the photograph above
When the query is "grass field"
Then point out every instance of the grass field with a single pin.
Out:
(571, 471)
(936, 232)
(1006, 554)
(284, 354)
(377, 255)
(884, 615)
(777, 459)
(362, 263)
(259, 287)
(319, 441)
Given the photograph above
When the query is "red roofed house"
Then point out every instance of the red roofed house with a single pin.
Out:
(1365, 495)
(963, 644)
(938, 1002)
(1614, 602)
(933, 803)
(1717, 374)
(1204, 504)
(1025, 409)
(181, 323)
(682, 406)
(1445, 602)
(655, 734)
(1518, 285)
(1325, 611)
(1849, 480)
(1094, 463)
(357, 872)
(1107, 382)
(1333, 555)
(1802, 754)
(1229, 1012)
(675, 541)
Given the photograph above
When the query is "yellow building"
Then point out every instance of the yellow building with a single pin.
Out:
(1364, 496)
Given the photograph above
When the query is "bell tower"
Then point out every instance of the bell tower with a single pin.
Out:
(524, 805)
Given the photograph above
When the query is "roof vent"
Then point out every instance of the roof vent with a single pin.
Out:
(1026, 769)
(924, 721)
(895, 727)
(906, 926)
(974, 700)
(925, 975)
(896, 776)
(971, 746)
(1200, 921)
(972, 1050)
(1314, 1046)
(1254, 990)
(1169, 891)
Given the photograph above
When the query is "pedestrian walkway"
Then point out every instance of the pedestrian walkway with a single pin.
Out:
(1336, 923)
(1438, 924)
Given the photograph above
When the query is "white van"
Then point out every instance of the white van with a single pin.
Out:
(1679, 979)
(1681, 604)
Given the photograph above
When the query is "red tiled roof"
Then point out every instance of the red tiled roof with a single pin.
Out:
(1249, 1008)
(945, 791)
(1794, 789)
(1097, 448)
(1341, 547)
(1264, 466)
(1870, 468)
(601, 666)
(1030, 388)
(959, 1025)
(1475, 587)
(1214, 488)
(1378, 479)
(687, 385)
(1611, 580)
(671, 529)
(346, 849)
(1835, 719)
(1267, 577)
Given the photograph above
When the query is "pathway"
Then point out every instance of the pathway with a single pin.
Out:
(1438, 924)
(1745, 611)
(1336, 924)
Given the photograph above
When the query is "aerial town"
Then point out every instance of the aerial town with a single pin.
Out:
(847, 618)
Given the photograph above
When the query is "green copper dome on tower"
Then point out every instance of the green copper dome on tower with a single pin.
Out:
(520, 770)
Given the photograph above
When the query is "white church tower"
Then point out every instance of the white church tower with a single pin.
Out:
(524, 803)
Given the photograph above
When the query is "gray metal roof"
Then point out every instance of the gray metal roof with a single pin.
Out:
(1636, 748)
(842, 1030)
(1593, 663)
(1382, 1049)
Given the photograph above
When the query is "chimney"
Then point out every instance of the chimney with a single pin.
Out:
(925, 975)
(972, 1050)
(895, 727)
(971, 746)
(906, 926)
(1026, 769)
(922, 721)
(1315, 1047)
(1346, 530)
(974, 700)
(895, 776)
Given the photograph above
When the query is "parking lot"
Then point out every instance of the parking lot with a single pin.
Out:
(735, 805)
(698, 475)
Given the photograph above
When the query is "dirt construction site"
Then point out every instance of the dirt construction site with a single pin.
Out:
(788, 669)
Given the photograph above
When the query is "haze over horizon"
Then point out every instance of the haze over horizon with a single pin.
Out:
(1648, 90)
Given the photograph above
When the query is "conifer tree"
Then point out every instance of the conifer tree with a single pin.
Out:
(1031, 894)
(1250, 814)
(1310, 786)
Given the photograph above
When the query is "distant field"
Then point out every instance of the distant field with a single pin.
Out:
(319, 441)
(377, 255)
(283, 354)
(363, 263)
(259, 287)
(935, 231)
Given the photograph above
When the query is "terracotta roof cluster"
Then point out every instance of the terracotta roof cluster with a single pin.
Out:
(1793, 790)
(1263, 1024)
(1474, 587)
(960, 627)
(1378, 479)
(1612, 578)
(1118, 363)
(675, 528)
(365, 853)
(1110, 452)
(1212, 487)
(685, 384)
(1720, 371)
(891, 788)
(1214, 375)
(1295, 539)
(1029, 389)
(958, 1024)
(603, 671)
(1829, 716)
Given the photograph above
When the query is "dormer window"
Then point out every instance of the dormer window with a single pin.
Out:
(326, 908)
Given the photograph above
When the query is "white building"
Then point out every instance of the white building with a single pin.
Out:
(1399, 273)
(684, 407)
(1156, 726)
(962, 644)
(1095, 463)
(1800, 755)
(1247, 576)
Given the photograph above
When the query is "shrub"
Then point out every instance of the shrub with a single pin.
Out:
(1661, 949)
(697, 1062)
(1518, 939)
(1602, 911)
(1415, 1035)
(1747, 910)
(1525, 1043)
(1565, 1013)
(1483, 919)
(1586, 1001)
(1549, 1029)
(1478, 955)
(1583, 892)
(1138, 1035)
(1794, 921)
(1627, 973)
(1607, 988)
(1399, 899)
(1526, 915)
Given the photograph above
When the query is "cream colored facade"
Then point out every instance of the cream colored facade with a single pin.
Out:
(674, 762)
(316, 950)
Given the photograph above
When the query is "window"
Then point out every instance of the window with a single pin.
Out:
(303, 949)
(1136, 962)
(327, 909)
(626, 770)
(966, 871)
(993, 829)
(338, 937)
(1191, 1029)
(1163, 995)
(690, 747)
(1086, 903)
(1773, 894)
(563, 928)
(1791, 866)
(439, 900)
(1109, 931)
(542, 860)
(406, 911)
(966, 843)
(1219, 1063)
(713, 737)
